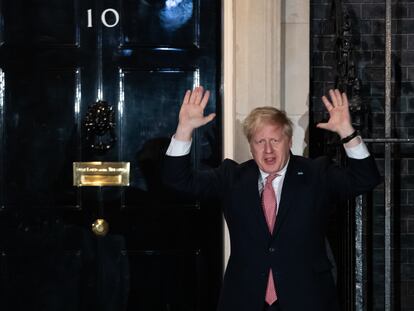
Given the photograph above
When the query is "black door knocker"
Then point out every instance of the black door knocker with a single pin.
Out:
(100, 126)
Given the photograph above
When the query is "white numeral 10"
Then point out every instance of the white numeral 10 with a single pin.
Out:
(103, 18)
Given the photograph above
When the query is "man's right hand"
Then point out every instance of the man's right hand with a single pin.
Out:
(192, 113)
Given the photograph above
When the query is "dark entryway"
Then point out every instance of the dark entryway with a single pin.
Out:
(57, 59)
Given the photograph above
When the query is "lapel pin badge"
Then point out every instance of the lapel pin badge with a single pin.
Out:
(300, 173)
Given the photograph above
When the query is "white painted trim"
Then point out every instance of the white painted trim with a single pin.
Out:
(228, 98)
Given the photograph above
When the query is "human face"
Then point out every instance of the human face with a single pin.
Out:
(270, 148)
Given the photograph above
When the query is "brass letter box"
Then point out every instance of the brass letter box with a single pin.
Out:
(100, 174)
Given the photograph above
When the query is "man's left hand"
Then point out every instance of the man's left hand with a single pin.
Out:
(339, 116)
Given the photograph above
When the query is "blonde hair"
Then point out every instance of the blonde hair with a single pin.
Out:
(266, 115)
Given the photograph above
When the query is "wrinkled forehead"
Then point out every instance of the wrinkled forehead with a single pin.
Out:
(268, 129)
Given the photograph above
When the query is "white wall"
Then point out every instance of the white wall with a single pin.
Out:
(265, 63)
(295, 69)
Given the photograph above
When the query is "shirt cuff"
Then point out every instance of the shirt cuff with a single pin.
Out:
(178, 148)
(358, 152)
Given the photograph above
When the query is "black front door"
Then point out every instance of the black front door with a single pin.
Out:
(60, 60)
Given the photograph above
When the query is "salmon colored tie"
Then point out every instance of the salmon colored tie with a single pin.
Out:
(269, 208)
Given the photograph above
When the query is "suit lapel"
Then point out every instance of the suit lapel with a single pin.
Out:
(292, 185)
(251, 190)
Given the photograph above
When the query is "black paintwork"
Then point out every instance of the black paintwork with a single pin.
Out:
(162, 252)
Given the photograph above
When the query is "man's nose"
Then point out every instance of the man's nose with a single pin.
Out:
(268, 147)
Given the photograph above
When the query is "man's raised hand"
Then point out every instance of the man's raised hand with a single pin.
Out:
(192, 113)
(339, 116)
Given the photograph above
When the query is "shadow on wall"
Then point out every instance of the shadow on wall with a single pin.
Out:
(303, 122)
(242, 151)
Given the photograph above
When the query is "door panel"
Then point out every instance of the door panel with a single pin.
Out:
(163, 292)
(150, 106)
(35, 144)
(41, 23)
(165, 25)
(162, 252)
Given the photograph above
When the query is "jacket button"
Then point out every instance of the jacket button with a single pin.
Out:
(271, 250)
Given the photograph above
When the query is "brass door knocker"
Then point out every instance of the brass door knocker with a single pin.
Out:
(100, 126)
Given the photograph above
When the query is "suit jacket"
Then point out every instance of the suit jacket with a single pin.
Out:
(296, 250)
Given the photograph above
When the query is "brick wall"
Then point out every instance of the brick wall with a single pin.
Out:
(368, 29)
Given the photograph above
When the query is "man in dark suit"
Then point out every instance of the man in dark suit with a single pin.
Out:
(276, 206)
